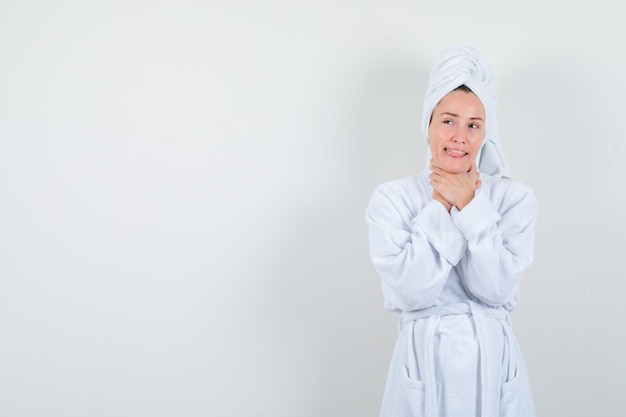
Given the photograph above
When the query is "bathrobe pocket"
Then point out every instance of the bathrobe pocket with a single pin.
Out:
(515, 396)
(415, 394)
(415, 397)
(510, 396)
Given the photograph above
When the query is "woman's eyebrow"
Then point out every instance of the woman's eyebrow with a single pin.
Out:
(447, 113)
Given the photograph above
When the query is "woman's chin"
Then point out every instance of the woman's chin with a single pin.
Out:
(455, 167)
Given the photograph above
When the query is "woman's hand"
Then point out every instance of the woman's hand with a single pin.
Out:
(454, 189)
(437, 196)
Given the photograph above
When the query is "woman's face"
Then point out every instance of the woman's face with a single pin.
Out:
(456, 131)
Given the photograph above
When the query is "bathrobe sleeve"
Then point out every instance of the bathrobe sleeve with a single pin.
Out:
(413, 244)
(499, 225)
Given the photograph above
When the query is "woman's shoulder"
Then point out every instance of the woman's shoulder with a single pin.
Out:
(408, 185)
(404, 196)
(507, 188)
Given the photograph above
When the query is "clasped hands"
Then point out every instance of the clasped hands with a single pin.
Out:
(454, 190)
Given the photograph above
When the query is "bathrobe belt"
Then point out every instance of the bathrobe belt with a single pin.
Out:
(433, 315)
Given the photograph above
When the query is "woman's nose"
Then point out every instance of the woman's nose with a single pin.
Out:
(459, 137)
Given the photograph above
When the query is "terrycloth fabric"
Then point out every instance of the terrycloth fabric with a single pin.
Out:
(453, 278)
(460, 65)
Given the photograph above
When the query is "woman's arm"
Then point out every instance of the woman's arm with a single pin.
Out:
(500, 241)
(413, 245)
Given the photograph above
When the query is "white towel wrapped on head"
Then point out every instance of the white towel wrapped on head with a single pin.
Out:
(461, 65)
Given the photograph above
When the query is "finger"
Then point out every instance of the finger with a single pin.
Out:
(437, 176)
(434, 166)
(434, 172)
(436, 185)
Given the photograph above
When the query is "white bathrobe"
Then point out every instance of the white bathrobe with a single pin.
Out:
(453, 278)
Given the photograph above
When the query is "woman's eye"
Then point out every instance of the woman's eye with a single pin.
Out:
(447, 122)
(474, 126)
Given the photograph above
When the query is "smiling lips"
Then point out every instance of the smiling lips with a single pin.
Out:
(455, 153)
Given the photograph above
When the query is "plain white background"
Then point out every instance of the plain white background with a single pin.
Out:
(183, 186)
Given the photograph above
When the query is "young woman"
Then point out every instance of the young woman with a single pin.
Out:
(450, 245)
